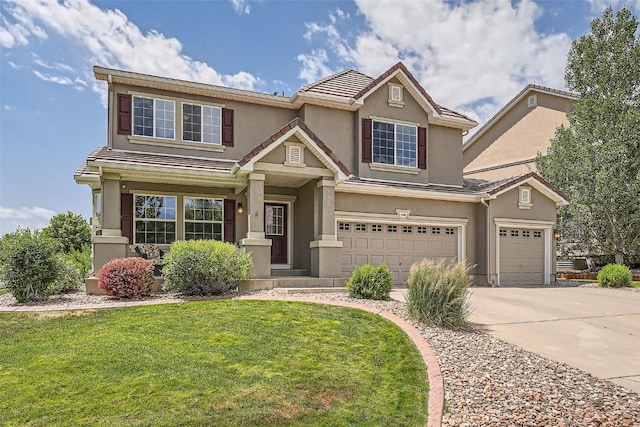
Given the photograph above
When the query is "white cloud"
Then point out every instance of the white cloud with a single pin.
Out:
(61, 80)
(13, 65)
(471, 56)
(23, 217)
(314, 65)
(241, 6)
(598, 6)
(112, 40)
(8, 108)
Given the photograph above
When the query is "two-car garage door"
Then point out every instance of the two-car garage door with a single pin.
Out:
(521, 256)
(395, 244)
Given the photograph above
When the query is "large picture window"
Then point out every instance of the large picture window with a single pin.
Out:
(153, 117)
(155, 219)
(202, 218)
(394, 144)
(201, 123)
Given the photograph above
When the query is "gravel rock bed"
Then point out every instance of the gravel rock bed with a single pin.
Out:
(489, 382)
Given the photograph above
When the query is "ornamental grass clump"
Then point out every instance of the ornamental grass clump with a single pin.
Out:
(205, 267)
(437, 293)
(614, 276)
(126, 277)
(370, 282)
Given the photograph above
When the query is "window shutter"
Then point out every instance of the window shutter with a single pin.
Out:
(126, 215)
(227, 127)
(124, 114)
(229, 220)
(422, 148)
(366, 140)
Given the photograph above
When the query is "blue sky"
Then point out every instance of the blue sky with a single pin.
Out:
(470, 56)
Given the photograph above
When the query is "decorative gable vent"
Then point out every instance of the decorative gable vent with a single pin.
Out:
(396, 96)
(532, 101)
(295, 154)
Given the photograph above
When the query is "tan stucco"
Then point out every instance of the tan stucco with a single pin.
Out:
(444, 155)
(517, 136)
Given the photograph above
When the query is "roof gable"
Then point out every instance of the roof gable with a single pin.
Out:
(512, 103)
(298, 128)
(497, 188)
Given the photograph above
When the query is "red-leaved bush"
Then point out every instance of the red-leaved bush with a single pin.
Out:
(126, 277)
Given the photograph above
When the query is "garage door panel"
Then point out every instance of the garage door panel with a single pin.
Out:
(521, 256)
(408, 245)
(361, 243)
(393, 260)
(376, 243)
(346, 243)
(360, 259)
(376, 259)
(392, 244)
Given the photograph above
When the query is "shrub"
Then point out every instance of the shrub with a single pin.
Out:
(437, 293)
(29, 265)
(126, 277)
(81, 259)
(205, 267)
(71, 230)
(370, 282)
(614, 276)
(69, 276)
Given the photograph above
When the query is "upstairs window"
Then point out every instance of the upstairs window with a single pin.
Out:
(153, 117)
(201, 123)
(394, 144)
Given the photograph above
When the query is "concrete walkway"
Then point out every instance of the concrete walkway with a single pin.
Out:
(596, 330)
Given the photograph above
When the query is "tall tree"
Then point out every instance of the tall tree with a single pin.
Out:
(71, 230)
(596, 159)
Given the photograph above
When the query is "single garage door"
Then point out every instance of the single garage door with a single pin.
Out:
(396, 245)
(521, 256)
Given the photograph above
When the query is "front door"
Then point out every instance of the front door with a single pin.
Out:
(275, 227)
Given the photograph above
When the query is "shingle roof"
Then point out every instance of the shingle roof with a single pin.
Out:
(493, 187)
(345, 84)
(468, 186)
(292, 124)
(126, 157)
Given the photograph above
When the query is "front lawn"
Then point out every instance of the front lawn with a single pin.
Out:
(212, 363)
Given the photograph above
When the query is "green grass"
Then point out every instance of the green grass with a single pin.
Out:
(212, 363)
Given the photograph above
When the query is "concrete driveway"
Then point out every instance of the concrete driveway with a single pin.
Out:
(596, 330)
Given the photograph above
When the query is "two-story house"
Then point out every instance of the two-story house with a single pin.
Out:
(350, 169)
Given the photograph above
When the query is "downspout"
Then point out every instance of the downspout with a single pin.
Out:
(109, 106)
(488, 239)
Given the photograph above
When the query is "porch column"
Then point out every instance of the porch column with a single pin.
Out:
(255, 241)
(326, 249)
(110, 243)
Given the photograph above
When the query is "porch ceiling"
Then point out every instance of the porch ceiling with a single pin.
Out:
(274, 180)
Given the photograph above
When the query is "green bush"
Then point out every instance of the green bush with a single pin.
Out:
(71, 230)
(437, 293)
(29, 264)
(370, 282)
(69, 277)
(81, 259)
(126, 277)
(614, 276)
(205, 267)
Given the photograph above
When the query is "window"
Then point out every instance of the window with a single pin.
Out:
(514, 233)
(155, 219)
(392, 228)
(343, 226)
(435, 230)
(422, 230)
(394, 144)
(537, 234)
(153, 117)
(376, 228)
(202, 219)
(503, 232)
(526, 233)
(201, 123)
(449, 231)
(407, 229)
(274, 220)
(361, 227)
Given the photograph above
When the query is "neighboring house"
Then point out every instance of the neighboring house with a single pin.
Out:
(508, 143)
(349, 170)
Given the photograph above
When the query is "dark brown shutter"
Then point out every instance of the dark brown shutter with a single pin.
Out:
(126, 215)
(422, 148)
(366, 140)
(124, 114)
(227, 127)
(229, 220)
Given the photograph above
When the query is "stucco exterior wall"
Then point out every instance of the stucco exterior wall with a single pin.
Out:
(304, 226)
(444, 155)
(252, 125)
(278, 156)
(518, 136)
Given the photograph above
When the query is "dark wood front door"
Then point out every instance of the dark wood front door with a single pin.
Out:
(275, 228)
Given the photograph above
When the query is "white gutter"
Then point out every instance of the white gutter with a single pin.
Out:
(109, 113)
(483, 201)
